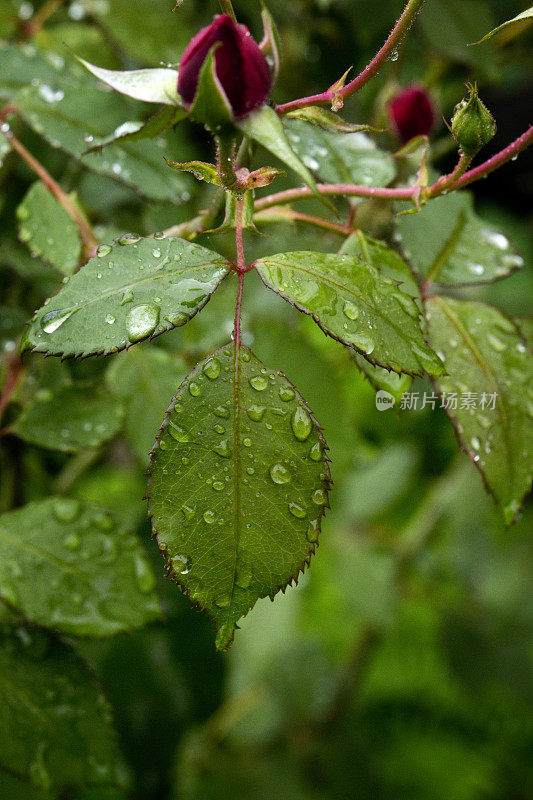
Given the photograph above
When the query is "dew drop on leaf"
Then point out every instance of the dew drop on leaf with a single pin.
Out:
(286, 394)
(256, 413)
(312, 531)
(209, 517)
(54, 319)
(195, 389)
(177, 433)
(297, 511)
(259, 383)
(103, 250)
(315, 453)
(141, 322)
(212, 368)
(223, 449)
(319, 497)
(301, 424)
(280, 473)
(66, 509)
(350, 310)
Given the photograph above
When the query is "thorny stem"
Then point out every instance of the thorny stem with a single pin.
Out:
(410, 192)
(398, 32)
(241, 269)
(89, 241)
(289, 215)
(448, 182)
(505, 155)
(227, 8)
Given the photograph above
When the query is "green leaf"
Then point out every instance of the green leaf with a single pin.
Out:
(211, 105)
(23, 63)
(160, 122)
(265, 127)
(271, 44)
(524, 17)
(67, 565)
(200, 169)
(354, 304)
(71, 111)
(149, 85)
(328, 121)
(47, 230)
(488, 365)
(239, 483)
(145, 377)
(387, 261)
(55, 728)
(382, 380)
(447, 243)
(15, 256)
(340, 158)
(131, 290)
(65, 420)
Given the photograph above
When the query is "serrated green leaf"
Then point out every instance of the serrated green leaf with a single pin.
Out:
(340, 158)
(354, 304)
(490, 370)
(131, 290)
(47, 230)
(71, 111)
(149, 85)
(211, 105)
(55, 727)
(67, 565)
(239, 482)
(160, 122)
(447, 243)
(200, 169)
(265, 127)
(524, 17)
(146, 377)
(65, 420)
(382, 380)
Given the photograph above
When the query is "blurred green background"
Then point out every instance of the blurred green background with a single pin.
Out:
(400, 667)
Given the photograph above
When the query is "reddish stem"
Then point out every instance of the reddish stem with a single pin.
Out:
(14, 373)
(241, 269)
(398, 32)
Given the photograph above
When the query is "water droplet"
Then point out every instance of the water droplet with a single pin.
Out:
(474, 441)
(110, 319)
(209, 517)
(144, 575)
(50, 95)
(177, 433)
(424, 358)
(141, 322)
(128, 238)
(245, 356)
(319, 497)
(127, 297)
(315, 453)
(362, 341)
(221, 411)
(259, 383)
(301, 424)
(496, 239)
(247, 442)
(181, 564)
(475, 268)
(286, 394)
(218, 486)
(223, 449)
(219, 429)
(156, 253)
(72, 541)
(53, 320)
(188, 511)
(280, 473)
(177, 318)
(66, 509)
(222, 601)
(243, 577)
(350, 310)
(312, 531)
(495, 343)
(195, 389)
(103, 250)
(211, 368)
(256, 413)
(297, 511)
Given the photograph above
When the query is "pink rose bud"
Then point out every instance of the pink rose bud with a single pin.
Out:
(412, 112)
(240, 66)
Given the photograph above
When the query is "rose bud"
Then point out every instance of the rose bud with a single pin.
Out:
(473, 126)
(412, 112)
(241, 69)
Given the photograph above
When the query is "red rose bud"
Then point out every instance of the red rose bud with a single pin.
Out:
(241, 68)
(412, 112)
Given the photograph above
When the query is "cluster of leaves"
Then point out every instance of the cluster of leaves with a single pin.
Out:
(240, 457)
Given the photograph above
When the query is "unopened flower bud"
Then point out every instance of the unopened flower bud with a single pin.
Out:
(412, 112)
(473, 125)
(241, 69)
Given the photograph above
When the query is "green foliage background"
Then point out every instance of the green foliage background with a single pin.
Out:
(400, 667)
